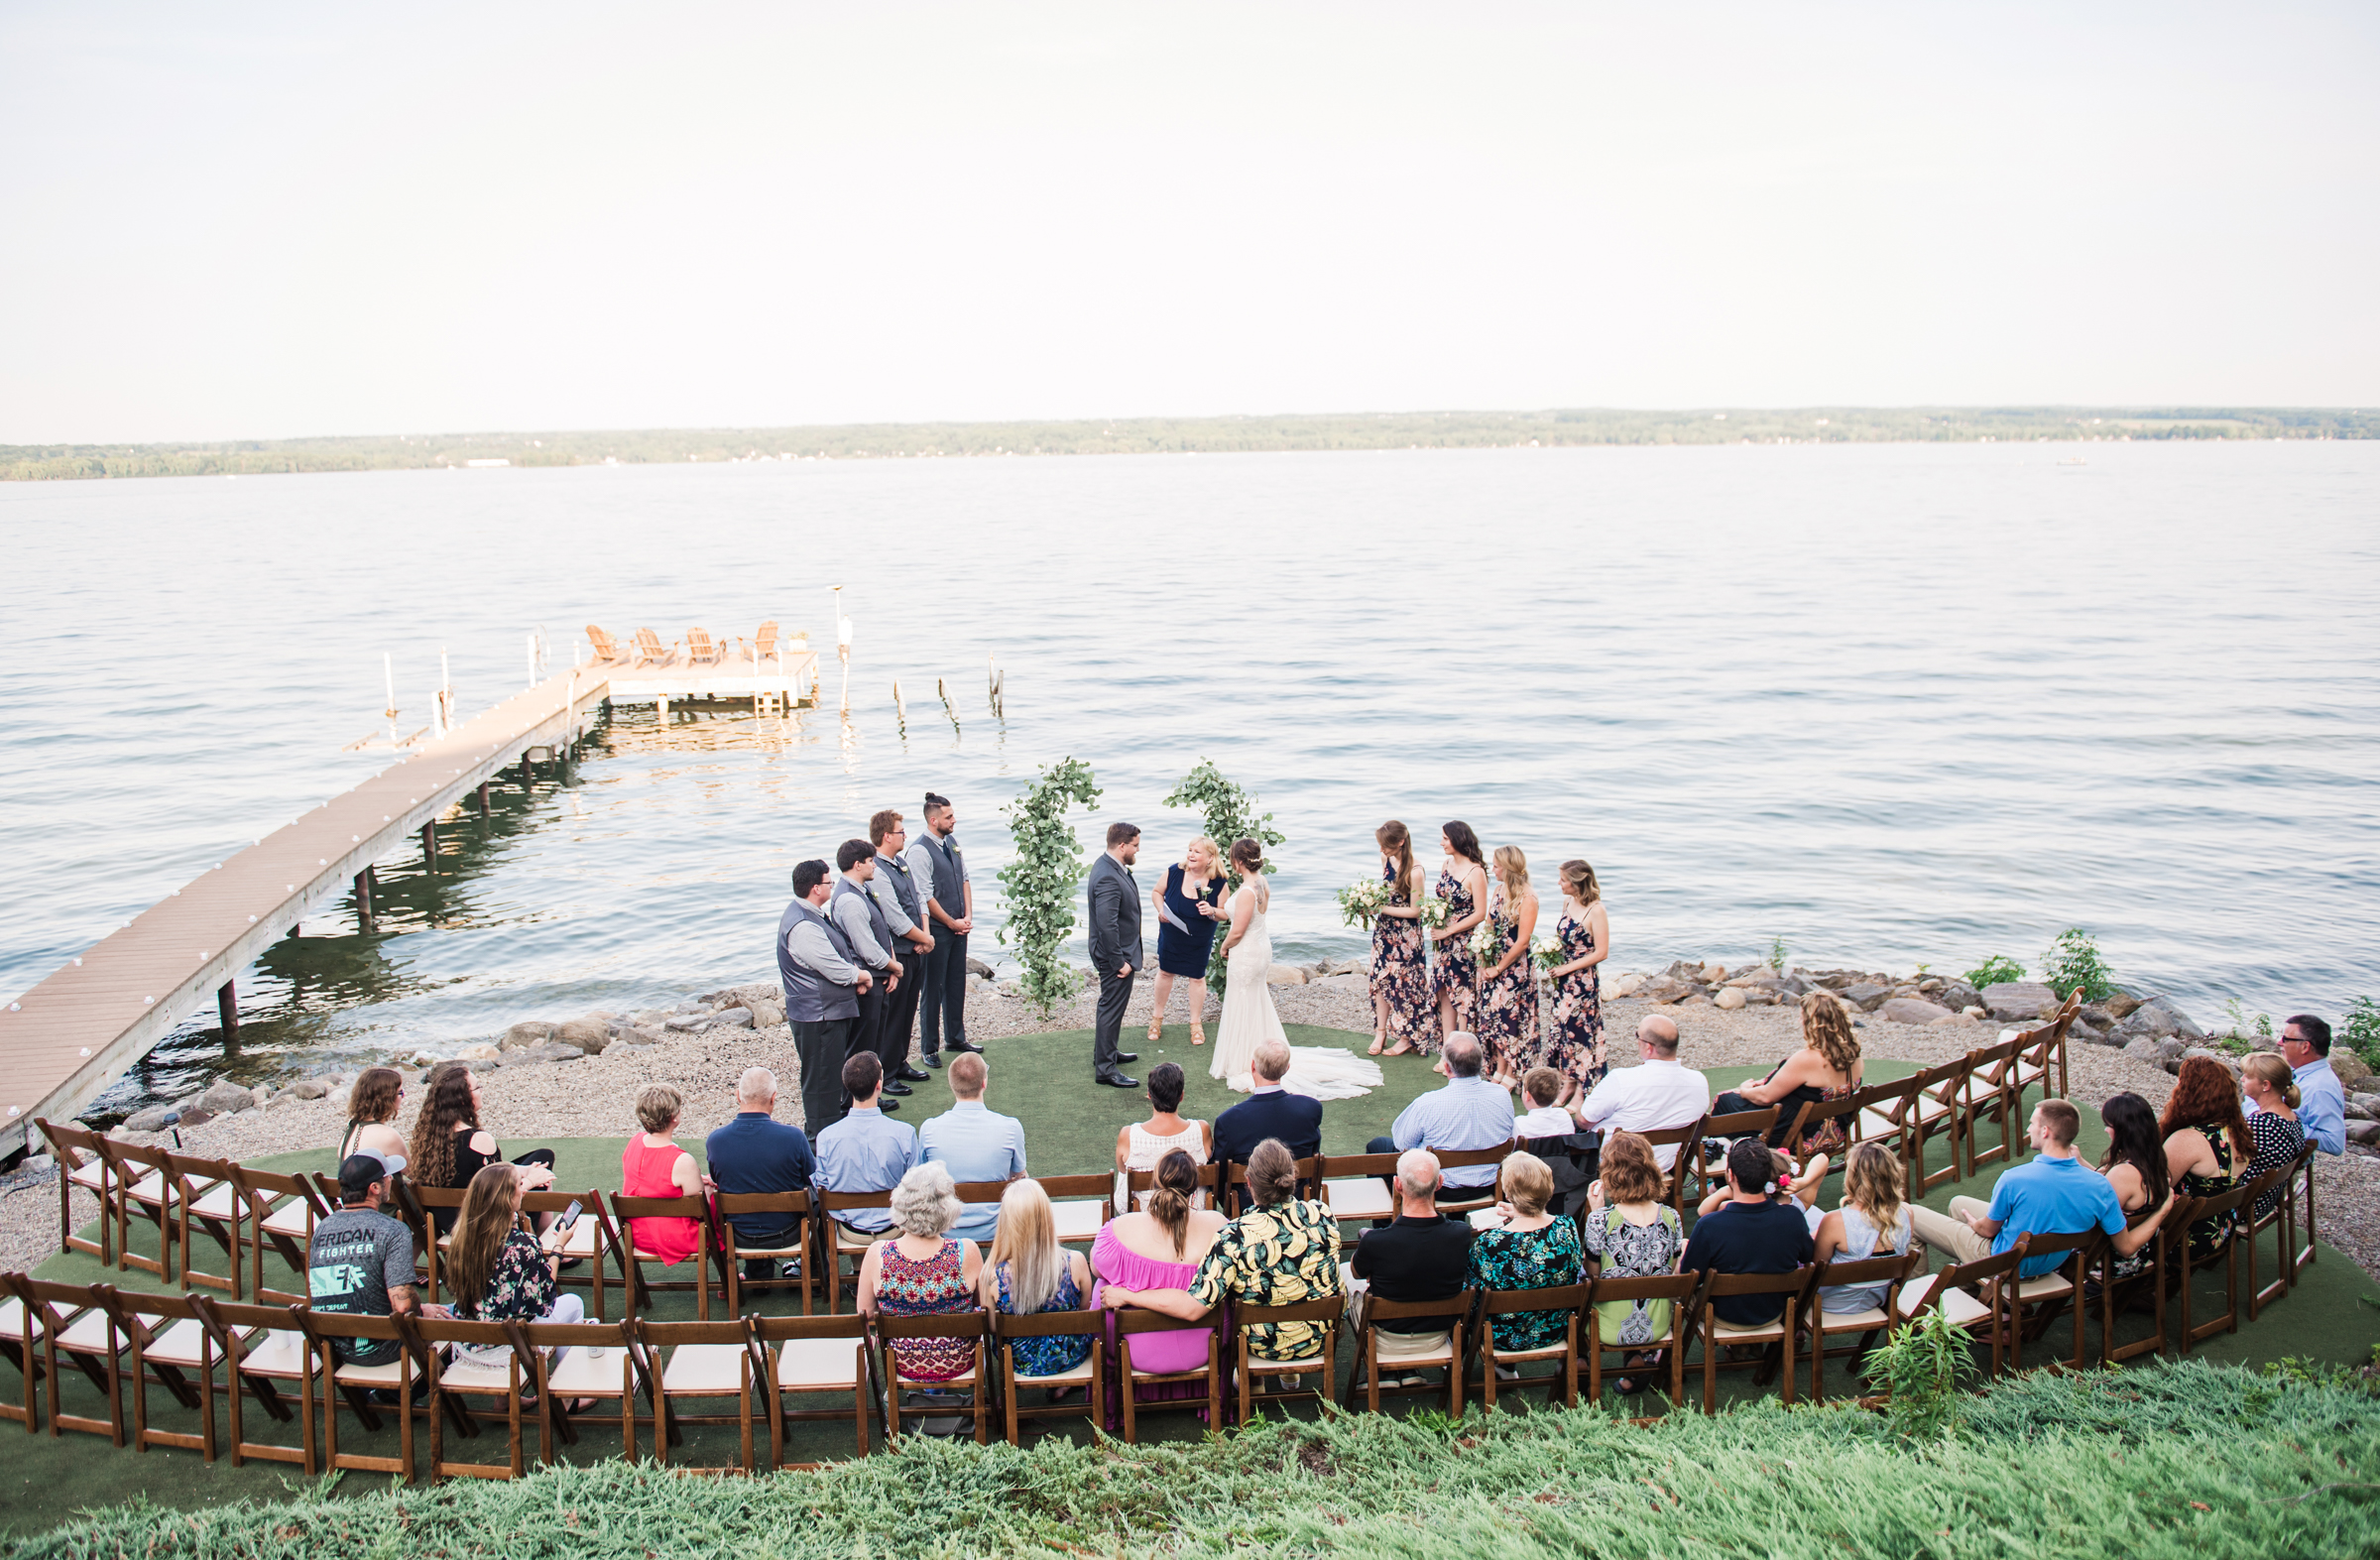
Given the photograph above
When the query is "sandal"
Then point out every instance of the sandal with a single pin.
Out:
(1156, 1027)
(1402, 1049)
(1380, 1044)
(1197, 1032)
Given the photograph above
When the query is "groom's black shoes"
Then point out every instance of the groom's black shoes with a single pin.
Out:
(1126, 1056)
(912, 1075)
(1117, 1080)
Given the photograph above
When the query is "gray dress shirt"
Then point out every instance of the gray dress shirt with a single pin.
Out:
(852, 915)
(814, 950)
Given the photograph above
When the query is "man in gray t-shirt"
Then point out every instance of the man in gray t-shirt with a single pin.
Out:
(361, 1262)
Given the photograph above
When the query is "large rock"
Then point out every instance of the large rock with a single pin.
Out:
(2170, 1019)
(152, 1120)
(1866, 996)
(2142, 1049)
(1958, 996)
(588, 1035)
(767, 1015)
(2348, 1066)
(477, 1053)
(2014, 1000)
(1730, 997)
(976, 966)
(1284, 975)
(1627, 985)
(2223, 1059)
(530, 1032)
(311, 1088)
(227, 1097)
(1955, 1021)
(2366, 1132)
(730, 1018)
(1349, 982)
(2119, 1006)
(1664, 989)
(196, 1116)
(1912, 1010)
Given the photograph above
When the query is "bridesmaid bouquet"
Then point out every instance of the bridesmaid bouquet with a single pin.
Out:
(1487, 943)
(1547, 950)
(1434, 911)
(1362, 900)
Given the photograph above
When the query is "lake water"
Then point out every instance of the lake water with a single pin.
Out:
(1892, 704)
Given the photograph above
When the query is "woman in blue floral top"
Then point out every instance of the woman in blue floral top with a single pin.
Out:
(1030, 1272)
(1532, 1249)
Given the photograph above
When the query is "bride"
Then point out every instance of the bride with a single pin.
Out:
(1320, 1072)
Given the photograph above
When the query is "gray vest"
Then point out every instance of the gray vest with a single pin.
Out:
(896, 871)
(950, 881)
(878, 927)
(810, 997)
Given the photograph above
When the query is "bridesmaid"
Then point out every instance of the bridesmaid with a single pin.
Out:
(1455, 973)
(1577, 1047)
(1186, 902)
(1400, 977)
(1510, 1032)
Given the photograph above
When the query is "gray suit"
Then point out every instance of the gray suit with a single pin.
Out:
(1115, 944)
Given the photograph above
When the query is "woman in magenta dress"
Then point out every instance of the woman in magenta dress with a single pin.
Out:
(1455, 973)
(1400, 972)
(653, 1166)
(1576, 1049)
(1160, 1250)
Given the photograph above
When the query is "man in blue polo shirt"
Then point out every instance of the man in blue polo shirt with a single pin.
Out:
(2054, 1194)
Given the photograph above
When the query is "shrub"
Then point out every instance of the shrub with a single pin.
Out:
(1776, 954)
(2360, 1030)
(1923, 1366)
(2074, 964)
(1993, 971)
(1039, 882)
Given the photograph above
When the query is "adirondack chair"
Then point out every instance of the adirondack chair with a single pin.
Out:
(767, 647)
(605, 648)
(700, 648)
(650, 648)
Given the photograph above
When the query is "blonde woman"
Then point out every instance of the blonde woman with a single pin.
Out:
(1400, 972)
(1874, 1221)
(1187, 904)
(1030, 1272)
(1575, 1050)
(2273, 1125)
(1508, 1025)
(1827, 1067)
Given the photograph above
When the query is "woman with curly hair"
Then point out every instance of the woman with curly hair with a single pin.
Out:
(2207, 1142)
(1827, 1067)
(450, 1147)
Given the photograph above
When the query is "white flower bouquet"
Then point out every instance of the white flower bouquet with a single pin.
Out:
(1548, 951)
(1362, 900)
(1434, 913)
(1487, 943)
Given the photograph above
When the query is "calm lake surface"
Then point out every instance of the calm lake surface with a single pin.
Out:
(1893, 705)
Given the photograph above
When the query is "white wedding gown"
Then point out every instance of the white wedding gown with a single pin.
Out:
(1318, 1071)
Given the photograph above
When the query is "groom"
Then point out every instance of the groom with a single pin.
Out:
(1115, 950)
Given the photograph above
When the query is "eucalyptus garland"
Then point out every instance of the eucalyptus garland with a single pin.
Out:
(1039, 881)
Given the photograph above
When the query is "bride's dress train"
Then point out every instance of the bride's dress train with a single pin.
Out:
(1248, 1017)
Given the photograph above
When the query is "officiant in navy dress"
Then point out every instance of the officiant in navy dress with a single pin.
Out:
(1188, 906)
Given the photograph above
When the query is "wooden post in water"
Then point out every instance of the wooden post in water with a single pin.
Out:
(483, 799)
(363, 898)
(227, 1006)
(429, 847)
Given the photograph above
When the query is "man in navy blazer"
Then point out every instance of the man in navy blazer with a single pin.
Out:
(1271, 1111)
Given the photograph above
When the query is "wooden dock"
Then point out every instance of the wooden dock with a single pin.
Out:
(66, 1041)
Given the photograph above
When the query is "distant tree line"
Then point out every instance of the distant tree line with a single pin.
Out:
(1181, 436)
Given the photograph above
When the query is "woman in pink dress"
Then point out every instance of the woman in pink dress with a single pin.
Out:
(1160, 1250)
(653, 1166)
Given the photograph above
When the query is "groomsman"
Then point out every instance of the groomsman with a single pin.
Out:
(940, 869)
(1116, 951)
(820, 972)
(895, 892)
(855, 911)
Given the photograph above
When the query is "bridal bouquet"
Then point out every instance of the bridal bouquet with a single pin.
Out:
(1548, 951)
(1362, 900)
(1487, 943)
(1434, 911)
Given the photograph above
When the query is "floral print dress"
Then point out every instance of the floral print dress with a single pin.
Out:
(2206, 1236)
(1576, 1047)
(1400, 972)
(1510, 1032)
(1546, 1259)
(1456, 975)
(937, 1286)
(1635, 1250)
(1059, 1353)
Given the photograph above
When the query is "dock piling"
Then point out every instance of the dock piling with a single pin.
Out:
(363, 898)
(430, 848)
(483, 799)
(227, 1007)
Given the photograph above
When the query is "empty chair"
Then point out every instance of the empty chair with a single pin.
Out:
(699, 1359)
(205, 1196)
(82, 1167)
(605, 648)
(19, 1345)
(815, 1356)
(170, 1345)
(144, 1181)
(585, 1359)
(72, 1321)
(1971, 1296)
(650, 651)
(266, 1353)
(699, 647)
(1355, 1185)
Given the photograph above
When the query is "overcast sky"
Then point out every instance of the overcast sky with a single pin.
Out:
(267, 221)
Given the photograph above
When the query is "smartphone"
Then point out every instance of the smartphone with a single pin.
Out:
(569, 1217)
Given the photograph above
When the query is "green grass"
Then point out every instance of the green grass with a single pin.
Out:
(2181, 1461)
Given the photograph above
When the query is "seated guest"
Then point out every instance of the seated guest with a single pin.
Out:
(1530, 1249)
(1465, 1111)
(2272, 1122)
(360, 1261)
(652, 1165)
(1632, 1233)
(1160, 1248)
(449, 1147)
(1751, 1232)
(756, 1154)
(1270, 1111)
(1826, 1068)
(1282, 1251)
(371, 1114)
(2207, 1142)
(1421, 1254)
(1030, 1272)
(976, 1144)
(1141, 1144)
(1799, 1189)
(2323, 1099)
(2135, 1165)
(1655, 1095)
(1874, 1221)
(866, 1151)
(498, 1272)
(924, 1271)
(1541, 1087)
(2053, 1194)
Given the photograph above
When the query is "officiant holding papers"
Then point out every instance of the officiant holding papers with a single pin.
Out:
(1187, 904)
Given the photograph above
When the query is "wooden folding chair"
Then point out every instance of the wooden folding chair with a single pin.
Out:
(423, 1205)
(705, 1360)
(764, 1208)
(1991, 1090)
(597, 1360)
(2272, 1183)
(454, 1377)
(814, 1354)
(1466, 1159)
(622, 1214)
(343, 1377)
(974, 1326)
(1571, 1297)
(18, 1345)
(1851, 1109)
(1130, 1324)
(2224, 1206)
(2043, 1293)
(1140, 1183)
(1783, 1333)
(73, 1321)
(1688, 1140)
(1428, 1352)
(204, 1195)
(170, 1345)
(281, 1210)
(584, 1243)
(1082, 1204)
(1868, 1322)
(1309, 1177)
(2302, 1175)
(1090, 1375)
(837, 1240)
(143, 1181)
(2041, 1051)
(1354, 1185)
(2114, 1295)
(1928, 1110)
(1695, 1175)
(1682, 1291)
(1328, 1311)
(82, 1165)
(1953, 1292)
(265, 1349)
